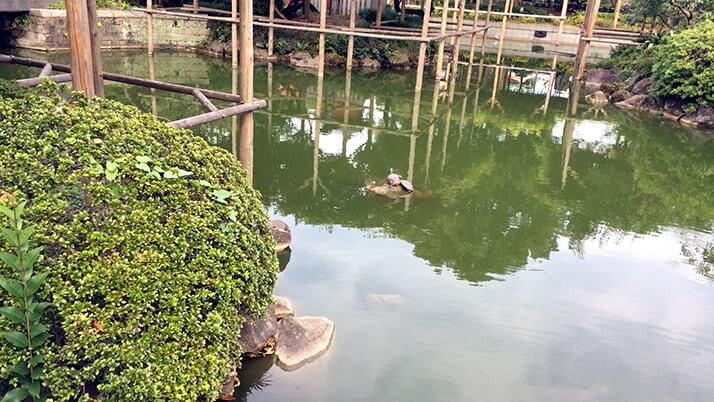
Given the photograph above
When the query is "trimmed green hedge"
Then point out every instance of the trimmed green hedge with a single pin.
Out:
(153, 239)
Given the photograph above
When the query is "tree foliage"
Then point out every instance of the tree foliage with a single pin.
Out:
(671, 13)
(153, 240)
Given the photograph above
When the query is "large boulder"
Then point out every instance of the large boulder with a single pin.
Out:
(673, 108)
(702, 118)
(620, 95)
(258, 334)
(639, 102)
(304, 59)
(597, 98)
(302, 340)
(641, 87)
(599, 76)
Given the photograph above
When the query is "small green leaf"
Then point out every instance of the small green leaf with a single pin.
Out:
(184, 173)
(156, 174)
(11, 237)
(36, 329)
(7, 212)
(20, 208)
(204, 183)
(221, 196)
(17, 339)
(40, 339)
(37, 373)
(36, 359)
(20, 369)
(10, 260)
(14, 287)
(159, 169)
(25, 234)
(143, 166)
(111, 171)
(35, 282)
(32, 256)
(170, 175)
(34, 388)
(16, 395)
(36, 310)
(13, 314)
(143, 159)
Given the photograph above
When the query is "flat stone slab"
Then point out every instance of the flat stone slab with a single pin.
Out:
(302, 340)
(283, 308)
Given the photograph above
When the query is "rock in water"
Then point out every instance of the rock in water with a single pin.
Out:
(283, 308)
(281, 233)
(258, 335)
(302, 340)
(620, 95)
(597, 98)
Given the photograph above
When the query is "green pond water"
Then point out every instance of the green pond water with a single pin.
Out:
(541, 258)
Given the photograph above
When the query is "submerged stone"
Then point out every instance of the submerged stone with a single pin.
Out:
(597, 98)
(302, 340)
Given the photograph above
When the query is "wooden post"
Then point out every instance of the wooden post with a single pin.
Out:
(149, 26)
(316, 142)
(271, 16)
(234, 119)
(321, 49)
(442, 31)
(447, 123)
(456, 44)
(152, 76)
(502, 34)
(96, 48)
(487, 25)
(430, 135)
(306, 8)
(422, 47)
(195, 6)
(494, 89)
(584, 45)
(234, 34)
(351, 38)
(472, 45)
(270, 100)
(380, 6)
(246, 85)
(616, 18)
(80, 47)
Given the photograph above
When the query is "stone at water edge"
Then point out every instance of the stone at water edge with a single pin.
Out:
(302, 340)
(639, 102)
(641, 87)
(283, 308)
(370, 63)
(702, 118)
(620, 95)
(599, 76)
(597, 98)
(281, 234)
(258, 335)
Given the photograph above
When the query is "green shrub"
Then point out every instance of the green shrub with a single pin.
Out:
(220, 31)
(153, 240)
(370, 14)
(684, 66)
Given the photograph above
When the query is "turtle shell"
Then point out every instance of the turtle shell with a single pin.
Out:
(407, 186)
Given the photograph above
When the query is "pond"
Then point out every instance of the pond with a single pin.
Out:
(542, 258)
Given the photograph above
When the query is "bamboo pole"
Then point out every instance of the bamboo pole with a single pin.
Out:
(246, 86)
(502, 34)
(321, 49)
(472, 46)
(422, 47)
(430, 131)
(316, 141)
(616, 18)
(234, 119)
(96, 48)
(244, 109)
(270, 100)
(584, 45)
(380, 6)
(149, 26)
(351, 38)
(234, 34)
(271, 16)
(80, 47)
(442, 31)
(152, 76)
(485, 33)
(195, 6)
(447, 123)
(456, 44)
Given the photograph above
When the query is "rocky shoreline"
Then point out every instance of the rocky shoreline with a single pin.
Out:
(606, 86)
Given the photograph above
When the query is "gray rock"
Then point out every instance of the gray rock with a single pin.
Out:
(281, 234)
(258, 335)
(620, 95)
(302, 340)
(399, 59)
(633, 80)
(368, 62)
(639, 102)
(641, 87)
(601, 76)
(597, 98)
(673, 108)
(304, 59)
(228, 385)
(283, 308)
(702, 118)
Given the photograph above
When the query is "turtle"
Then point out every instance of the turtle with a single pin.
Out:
(394, 180)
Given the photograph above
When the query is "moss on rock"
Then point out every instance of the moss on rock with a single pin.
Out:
(154, 242)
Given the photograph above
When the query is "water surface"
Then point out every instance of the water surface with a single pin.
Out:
(543, 258)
